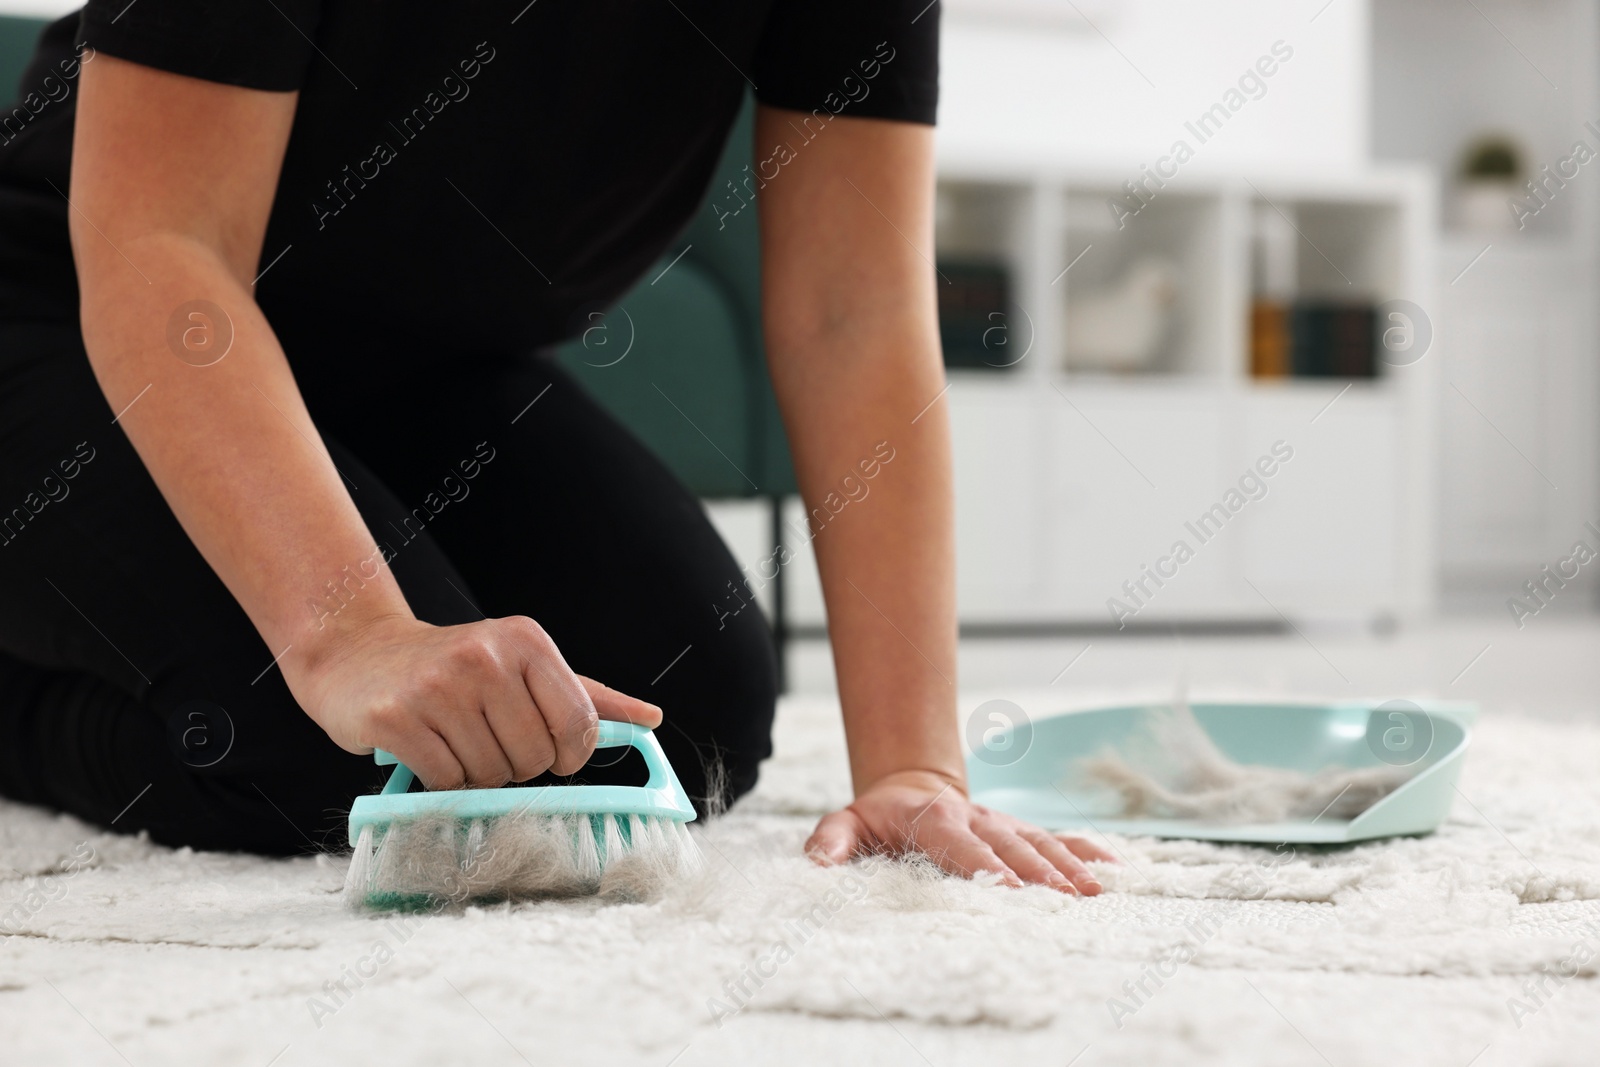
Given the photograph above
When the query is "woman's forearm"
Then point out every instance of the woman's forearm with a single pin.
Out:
(851, 324)
(172, 183)
(229, 442)
(887, 556)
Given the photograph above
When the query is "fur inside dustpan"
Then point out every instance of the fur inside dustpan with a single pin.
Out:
(1173, 770)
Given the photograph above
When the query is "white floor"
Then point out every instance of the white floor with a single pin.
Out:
(1445, 950)
(1549, 669)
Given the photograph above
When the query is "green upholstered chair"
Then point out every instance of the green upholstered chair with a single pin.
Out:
(693, 382)
(680, 358)
(17, 38)
(694, 324)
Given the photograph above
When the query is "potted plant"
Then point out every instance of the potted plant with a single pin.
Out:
(1489, 178)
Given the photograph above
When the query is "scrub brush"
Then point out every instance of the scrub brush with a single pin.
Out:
(414, 850)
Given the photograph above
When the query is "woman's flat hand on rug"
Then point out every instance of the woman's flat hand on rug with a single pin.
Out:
(480, 704)
(917, 811)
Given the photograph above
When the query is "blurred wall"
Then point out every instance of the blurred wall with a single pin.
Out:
(1037, 79)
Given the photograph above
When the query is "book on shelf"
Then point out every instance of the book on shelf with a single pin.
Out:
(1313, 339)
(974, 315)
(1269, 339)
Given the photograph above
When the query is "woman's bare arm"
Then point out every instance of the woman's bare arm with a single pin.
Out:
(851, 328)
(853, 345)
(172, 184)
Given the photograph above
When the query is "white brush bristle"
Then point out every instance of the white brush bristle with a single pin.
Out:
(524, 855)
(359, 875)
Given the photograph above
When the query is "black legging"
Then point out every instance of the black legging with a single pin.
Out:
(135, 693)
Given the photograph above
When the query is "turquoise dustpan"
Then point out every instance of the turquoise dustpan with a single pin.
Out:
(1044, 785)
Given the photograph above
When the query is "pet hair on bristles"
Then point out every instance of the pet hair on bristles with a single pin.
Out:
(524, 855)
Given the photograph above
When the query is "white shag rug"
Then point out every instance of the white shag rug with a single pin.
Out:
(1479, 945)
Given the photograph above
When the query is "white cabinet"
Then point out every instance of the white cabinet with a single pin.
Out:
(1326, 539)
(1129, 467)
(1002, 551)
(1152, 494)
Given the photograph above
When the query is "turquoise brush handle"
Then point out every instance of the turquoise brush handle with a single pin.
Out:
(662, 796)
(611, 735)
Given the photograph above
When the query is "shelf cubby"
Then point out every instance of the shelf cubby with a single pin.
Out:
(1163, 259)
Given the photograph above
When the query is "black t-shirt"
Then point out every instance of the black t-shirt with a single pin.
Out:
(472, 174)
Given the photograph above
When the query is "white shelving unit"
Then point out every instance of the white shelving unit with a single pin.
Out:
(1069, 484)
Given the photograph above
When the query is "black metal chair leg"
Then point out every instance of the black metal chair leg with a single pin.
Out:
(780, 620)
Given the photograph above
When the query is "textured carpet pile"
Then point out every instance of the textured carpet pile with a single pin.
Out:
(1482, 940)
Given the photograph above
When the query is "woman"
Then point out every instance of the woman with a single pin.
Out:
(295, 477)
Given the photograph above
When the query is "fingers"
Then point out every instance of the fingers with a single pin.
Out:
(961, 837)
(960, 851)
(1086, 850)
(837, 837)
(568, 712)
(1022, 857)
(518, 727)
(479, 704)
(431, 760)
(1065, 864)
(416, 744)
(479, 676)
(620, 707)
(475, 747)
